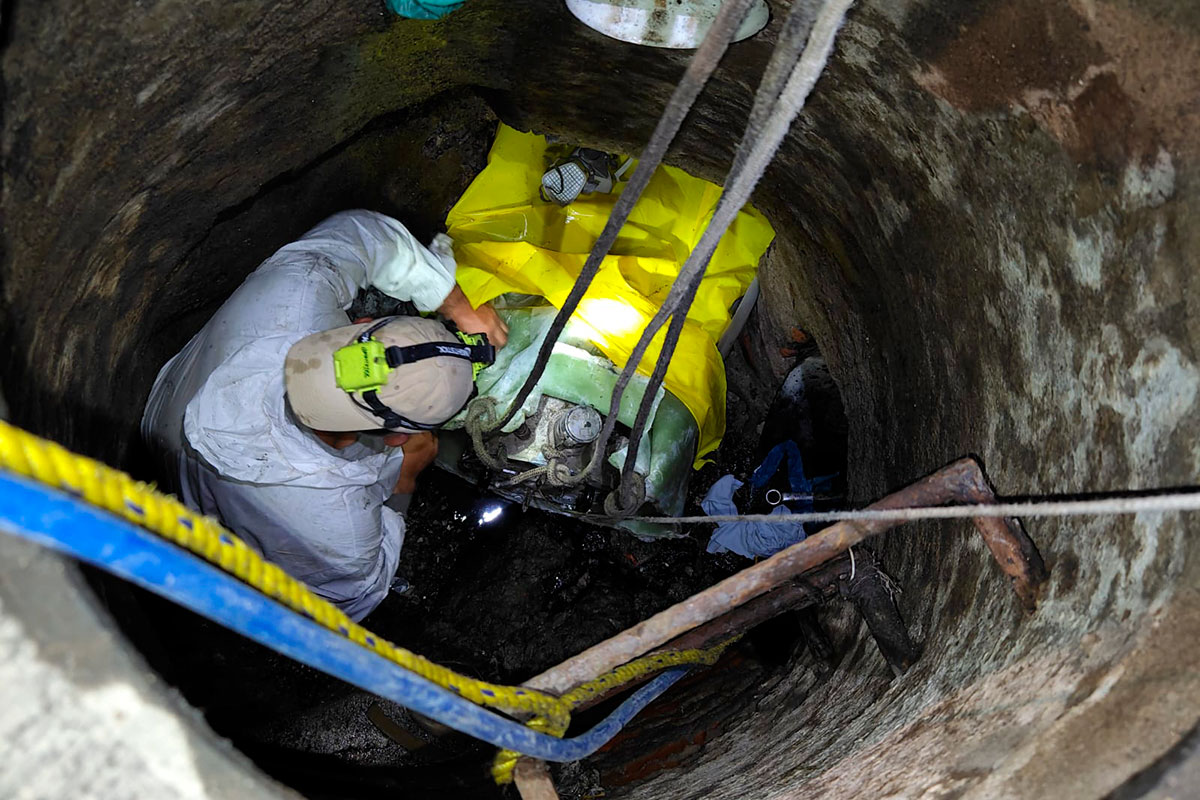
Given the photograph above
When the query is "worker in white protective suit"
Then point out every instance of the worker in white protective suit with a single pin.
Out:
(259, 415)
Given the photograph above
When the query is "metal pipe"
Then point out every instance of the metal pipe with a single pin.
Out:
(533, 780)
(962, 481)
(774, 497)
(740, 315)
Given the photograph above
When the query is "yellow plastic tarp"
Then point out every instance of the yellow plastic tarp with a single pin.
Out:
(507, 239)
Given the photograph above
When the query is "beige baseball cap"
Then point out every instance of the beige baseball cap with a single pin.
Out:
(429, 391)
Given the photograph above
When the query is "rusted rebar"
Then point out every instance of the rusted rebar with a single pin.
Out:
(1005, 537)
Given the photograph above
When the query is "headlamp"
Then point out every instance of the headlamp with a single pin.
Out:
(361, 366)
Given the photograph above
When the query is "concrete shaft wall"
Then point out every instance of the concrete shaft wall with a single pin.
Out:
(987, 215)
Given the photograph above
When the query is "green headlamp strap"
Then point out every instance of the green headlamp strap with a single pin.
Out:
(480, 346)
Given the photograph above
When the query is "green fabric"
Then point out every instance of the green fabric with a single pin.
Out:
(577, 373)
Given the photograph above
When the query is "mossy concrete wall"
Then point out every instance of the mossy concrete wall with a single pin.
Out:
(987, 215)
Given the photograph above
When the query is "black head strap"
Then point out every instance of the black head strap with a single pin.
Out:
(475, 353)
(390, 418)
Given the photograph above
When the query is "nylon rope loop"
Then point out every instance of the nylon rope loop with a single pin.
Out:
(799, 83)
(700, 68)
(796, 29)
(784, 57)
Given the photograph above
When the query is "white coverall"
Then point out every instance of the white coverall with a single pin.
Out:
(217, 411)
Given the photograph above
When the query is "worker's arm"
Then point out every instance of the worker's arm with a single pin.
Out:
(371, 249)
(469, 319)
(420, 450)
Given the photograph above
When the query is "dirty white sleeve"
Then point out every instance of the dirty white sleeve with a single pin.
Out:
(372, 249)
(342, 542)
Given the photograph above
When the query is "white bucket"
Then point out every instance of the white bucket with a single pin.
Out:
(662, 23)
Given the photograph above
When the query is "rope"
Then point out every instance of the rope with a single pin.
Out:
(1181, 500)
(118, 493)
(51, 518)
(480, 417)
(776, 105)
(115, 491)
(506, 760)
(701, 67)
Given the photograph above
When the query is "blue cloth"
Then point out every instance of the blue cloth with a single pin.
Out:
(749, 539)
(797, 480)
(423, 9)
(755, 539)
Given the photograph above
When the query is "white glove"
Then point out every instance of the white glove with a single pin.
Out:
(442, 246)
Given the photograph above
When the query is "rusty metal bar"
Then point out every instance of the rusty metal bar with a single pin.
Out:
(760, 609)
(778, 601)
(533, 780)
(960, 482)
(813, 587)
(1005, 537)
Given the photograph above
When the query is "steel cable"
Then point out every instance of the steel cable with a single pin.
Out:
(802, 56)
(701, 67)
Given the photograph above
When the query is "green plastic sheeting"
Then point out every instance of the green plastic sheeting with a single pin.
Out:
(579, 374)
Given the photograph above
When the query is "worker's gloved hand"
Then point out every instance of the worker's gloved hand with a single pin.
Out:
(475, 320)
(420, 449)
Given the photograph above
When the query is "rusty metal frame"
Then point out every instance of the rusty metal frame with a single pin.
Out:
(766, 589)
(961, 482)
